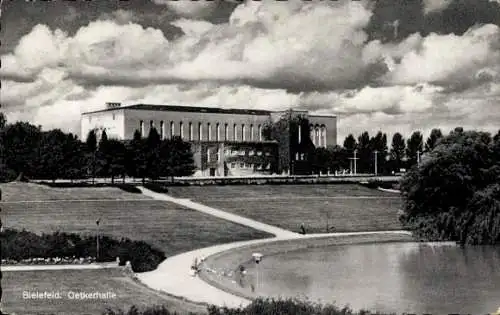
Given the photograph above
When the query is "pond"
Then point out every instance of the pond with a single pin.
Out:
(437, 278)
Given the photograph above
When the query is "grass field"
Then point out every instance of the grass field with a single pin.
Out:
(18, 191)
(127, 292)
(169, 227)
(348, 207)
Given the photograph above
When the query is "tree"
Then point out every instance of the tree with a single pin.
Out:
(455, 193)
(116, 158)
(379, 144)
(433, 139)
(136, 160)
(74, 164)
(414, 148)
(364, 153)
(91, 149)
(350, 143)
(21, 142)
(398, 149)
(102, 159)
(180, 160)
(51, 155)
(153, 158)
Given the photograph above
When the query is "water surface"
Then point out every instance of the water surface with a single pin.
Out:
(437, 278)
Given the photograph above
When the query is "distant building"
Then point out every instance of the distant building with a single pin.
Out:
(225, 142)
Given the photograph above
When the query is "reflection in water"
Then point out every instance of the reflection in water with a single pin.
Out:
(438, 278)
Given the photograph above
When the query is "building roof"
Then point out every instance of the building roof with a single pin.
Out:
(178, 108)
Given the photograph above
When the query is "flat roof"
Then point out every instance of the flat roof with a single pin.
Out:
(191, 109)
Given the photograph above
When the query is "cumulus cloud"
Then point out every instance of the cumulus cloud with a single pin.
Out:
(264, 44)
(435, 5)
(190, 9)
(450, 59)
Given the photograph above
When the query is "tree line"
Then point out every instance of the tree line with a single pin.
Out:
(27, 151)
(365, 148)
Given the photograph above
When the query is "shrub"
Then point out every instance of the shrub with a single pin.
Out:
(156, 187)
(259, 307)
(128, 188)
(19, 245)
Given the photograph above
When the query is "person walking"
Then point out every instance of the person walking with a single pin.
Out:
(302, 229)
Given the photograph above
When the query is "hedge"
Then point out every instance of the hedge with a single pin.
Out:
(22, 245)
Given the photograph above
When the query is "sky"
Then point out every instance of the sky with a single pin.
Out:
(395, 66)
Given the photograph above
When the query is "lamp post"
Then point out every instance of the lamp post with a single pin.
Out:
(257, 257)
(97, 240)
(355, 162)
(376, 162)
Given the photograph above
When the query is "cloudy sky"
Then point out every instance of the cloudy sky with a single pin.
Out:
(391, 65)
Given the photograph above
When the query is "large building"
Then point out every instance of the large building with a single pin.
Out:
(225, 142)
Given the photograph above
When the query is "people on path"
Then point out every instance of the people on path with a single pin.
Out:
(302, 229)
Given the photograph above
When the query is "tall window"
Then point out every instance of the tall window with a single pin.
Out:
(208, 155)
(181, 129)
(226, 132)
(191, 131)
(299, 133)
(200, 131)
(316, 136)
(251, 133)
(323, 136)
(260, 132)
(243, 132)
(209, 132)
(217, 132)
(141, 127)
(235, 132)
(172, 129)
(162, 130)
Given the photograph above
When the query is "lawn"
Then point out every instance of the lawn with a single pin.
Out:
(169, 227)
(346, 207)
(127, 292)
(19, 191)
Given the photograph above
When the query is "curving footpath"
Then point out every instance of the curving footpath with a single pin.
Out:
(173, 275)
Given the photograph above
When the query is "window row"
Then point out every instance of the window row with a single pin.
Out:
(206, 132)
(215, 155)
(250, 166)
(318, 136)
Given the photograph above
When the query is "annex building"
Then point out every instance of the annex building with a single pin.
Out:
(225, 142)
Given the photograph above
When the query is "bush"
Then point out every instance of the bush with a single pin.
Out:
(259, 307)
(128, 188)
(19, 245)
(156, 187)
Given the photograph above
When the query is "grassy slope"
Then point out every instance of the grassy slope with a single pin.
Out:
(350, 207)
(18, 191)
(169, 227)
(128, 292)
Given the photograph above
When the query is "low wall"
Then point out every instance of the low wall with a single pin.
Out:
(280, 180)
(217, 269)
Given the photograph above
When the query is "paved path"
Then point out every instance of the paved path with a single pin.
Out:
(173, 275)
(220, 214)
(57, 267)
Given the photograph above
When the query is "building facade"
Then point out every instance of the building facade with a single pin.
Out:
(225, 142)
